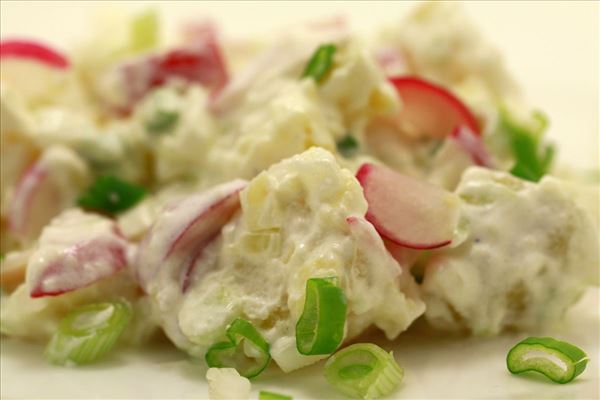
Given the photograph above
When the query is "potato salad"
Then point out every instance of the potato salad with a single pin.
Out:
(265, 203)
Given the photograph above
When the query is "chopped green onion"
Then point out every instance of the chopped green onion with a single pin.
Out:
(320, 329)
(347, 146)
(111, 195)
(246, 351)
(320, 63)
(559, 361)
(264, 395)
(532, 157)
(363, 370)
(144, 31)
(88, 333)
(162, 121)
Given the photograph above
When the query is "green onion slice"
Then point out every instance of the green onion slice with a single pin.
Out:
(143, 33)
(532, 157)
(320, 63)
(347, 146)
(162, 121)
(246, 351)
(111, 195)
(264, 395)
(363, 370)
(88, 333)
(559, 361)
(320, 329)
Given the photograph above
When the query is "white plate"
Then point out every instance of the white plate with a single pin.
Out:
(553, 50)
(436, 366)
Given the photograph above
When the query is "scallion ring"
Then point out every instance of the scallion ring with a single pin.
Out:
(320, 329)
(246, 351)
(363, 370)
(87, 333)
(559, 361)
(264, 395)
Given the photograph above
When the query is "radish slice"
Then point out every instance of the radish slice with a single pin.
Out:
(431, 110)
(202, 63)
(46, 188)
(407, 211)
(472, 143)
(182, 232)
(33, 70)
(74, 251)
(23, 49)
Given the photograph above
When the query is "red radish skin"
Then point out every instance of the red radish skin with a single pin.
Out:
(85, 256)
(48, 186)
(201, 232)
(75, 250)
(429, 109)
(32, 204)
(407, 211)
(31, 50)
(217, 214)
(472, 143)
(178, 239)
(201, 63)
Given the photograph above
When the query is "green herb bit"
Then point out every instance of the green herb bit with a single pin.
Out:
(320, 63)
(88, 333)
(162, 121)
(144, 31)
(559, 361)
(264, 395)
(532, 157)
(347, 146)
(111, 195)
(320, 329)
(363, 370)
(246, 351)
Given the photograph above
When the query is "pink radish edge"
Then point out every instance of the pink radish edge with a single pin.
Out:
(181, 236)
(32, 50)
(425, 88)
(471, 143)
(229, 210)
(28, 185)
(91, 248)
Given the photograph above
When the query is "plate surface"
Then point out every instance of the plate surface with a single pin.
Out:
(552, 48)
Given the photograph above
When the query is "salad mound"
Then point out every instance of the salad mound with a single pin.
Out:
(275, 201)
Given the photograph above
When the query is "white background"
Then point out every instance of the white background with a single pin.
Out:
(551, 47)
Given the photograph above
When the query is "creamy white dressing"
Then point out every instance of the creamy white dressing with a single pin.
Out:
(292, 227)
(522, 253)
(529, 254)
